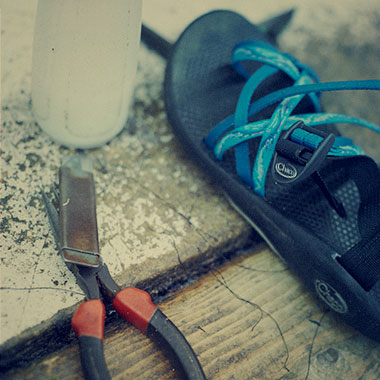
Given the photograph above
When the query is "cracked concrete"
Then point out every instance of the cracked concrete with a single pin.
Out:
(155, 209)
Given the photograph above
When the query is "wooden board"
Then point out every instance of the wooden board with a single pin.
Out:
(250, 319)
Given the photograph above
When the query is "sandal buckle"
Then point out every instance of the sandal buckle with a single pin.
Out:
(294, 161)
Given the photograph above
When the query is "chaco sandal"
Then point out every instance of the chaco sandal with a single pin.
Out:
(255, 125)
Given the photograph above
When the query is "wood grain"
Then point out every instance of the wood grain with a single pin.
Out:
(250, 319)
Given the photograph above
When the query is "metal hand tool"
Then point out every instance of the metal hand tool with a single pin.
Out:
(75, 231)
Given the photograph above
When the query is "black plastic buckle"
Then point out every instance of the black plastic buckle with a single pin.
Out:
(294, 162)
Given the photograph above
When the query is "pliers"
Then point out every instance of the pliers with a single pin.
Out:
(74, 226)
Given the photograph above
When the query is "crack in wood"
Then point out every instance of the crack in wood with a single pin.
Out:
(223, 282)
(318, 324)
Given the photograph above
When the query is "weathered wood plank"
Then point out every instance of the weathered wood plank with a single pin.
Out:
(250, 319)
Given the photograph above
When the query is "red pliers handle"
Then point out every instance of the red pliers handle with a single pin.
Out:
(135, 306)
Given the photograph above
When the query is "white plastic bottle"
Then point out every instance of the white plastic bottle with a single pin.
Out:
(84, 64)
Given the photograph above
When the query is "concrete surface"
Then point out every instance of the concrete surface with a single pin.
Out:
(155, 209)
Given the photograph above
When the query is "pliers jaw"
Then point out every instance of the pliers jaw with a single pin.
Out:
(92, 277)
(77, 208)
(85, 275)
(70, 255)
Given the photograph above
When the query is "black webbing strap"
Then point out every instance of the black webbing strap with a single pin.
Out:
(363, 261)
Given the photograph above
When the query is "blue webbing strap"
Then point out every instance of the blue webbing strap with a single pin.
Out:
(262, 52)
(276, 96)
(270, 137)
(243, 166)
(273, 61)
(252, 130)
(235, 131)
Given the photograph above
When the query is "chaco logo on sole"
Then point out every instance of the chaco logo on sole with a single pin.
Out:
(286, 170)
(333, 299)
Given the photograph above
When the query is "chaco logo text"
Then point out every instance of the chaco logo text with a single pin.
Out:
(286, 170)
(331, 296)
